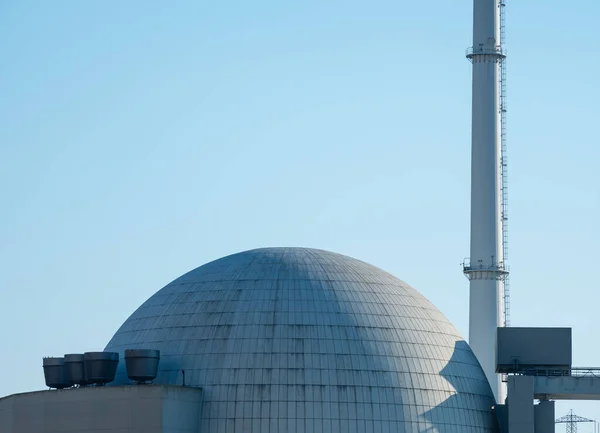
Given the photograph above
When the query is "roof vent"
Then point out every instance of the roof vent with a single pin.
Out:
(100, 367)
(55, 373)
(142, 364)
(74, 369)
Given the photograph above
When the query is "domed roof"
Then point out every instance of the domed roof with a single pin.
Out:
(295, 339)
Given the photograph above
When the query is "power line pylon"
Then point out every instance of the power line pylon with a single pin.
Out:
(571, 420)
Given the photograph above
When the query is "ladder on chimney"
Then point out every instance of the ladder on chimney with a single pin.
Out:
(504, 163)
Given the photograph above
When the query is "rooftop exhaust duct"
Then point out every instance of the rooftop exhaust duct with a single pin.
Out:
(100, 367)
(74, 369)
(142, 364)
(55, 373)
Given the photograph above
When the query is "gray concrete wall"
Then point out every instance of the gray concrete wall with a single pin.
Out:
(520, 404)
(544, 417)
(123, 409)
(501, 411)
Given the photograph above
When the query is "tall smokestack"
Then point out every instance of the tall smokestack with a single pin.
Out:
(486, 269)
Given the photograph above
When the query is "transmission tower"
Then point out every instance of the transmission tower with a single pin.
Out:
(571, 420)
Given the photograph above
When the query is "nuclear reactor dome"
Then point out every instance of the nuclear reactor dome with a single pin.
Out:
(303, 340)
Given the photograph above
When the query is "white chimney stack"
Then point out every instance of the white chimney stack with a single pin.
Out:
(486, 268)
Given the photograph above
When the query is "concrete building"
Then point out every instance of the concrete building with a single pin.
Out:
(281, 340)
(132, 409)
(290, 340)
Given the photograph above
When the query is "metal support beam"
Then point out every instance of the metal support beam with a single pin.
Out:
(567, 387)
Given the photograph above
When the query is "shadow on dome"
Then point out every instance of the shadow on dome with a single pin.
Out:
(307, 340)
(468, 393)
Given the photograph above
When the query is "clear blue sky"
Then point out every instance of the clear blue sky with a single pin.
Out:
(141, 139)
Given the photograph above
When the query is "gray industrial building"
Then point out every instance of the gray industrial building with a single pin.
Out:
(280, 340)
(291, 340)
(299, 340)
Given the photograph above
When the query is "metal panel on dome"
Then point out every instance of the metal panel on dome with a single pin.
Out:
(296, 339)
